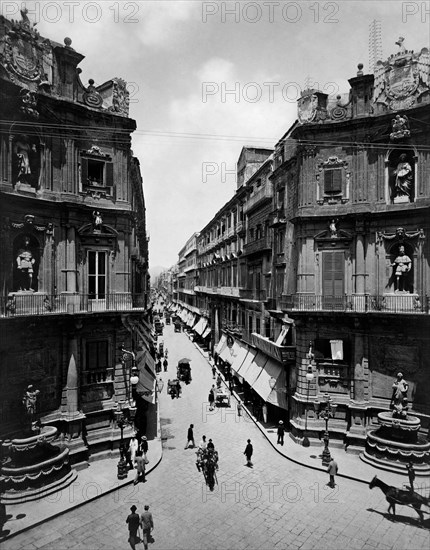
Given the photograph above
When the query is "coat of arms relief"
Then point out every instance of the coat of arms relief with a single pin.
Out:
(403, 78)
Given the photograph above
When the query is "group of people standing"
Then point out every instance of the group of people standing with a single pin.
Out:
(135, 456)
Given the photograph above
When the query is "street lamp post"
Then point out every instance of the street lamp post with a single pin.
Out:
(309, 378)
(326, 414)
(121, 422)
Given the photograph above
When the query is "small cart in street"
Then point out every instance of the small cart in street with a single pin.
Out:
(222, 398)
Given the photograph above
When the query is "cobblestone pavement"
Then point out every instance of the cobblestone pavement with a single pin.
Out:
(275, 505)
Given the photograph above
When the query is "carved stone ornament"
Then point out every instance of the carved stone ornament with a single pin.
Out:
(95, 151)
(400, 128)
(401, 235)
(29, 222)
(402, 79)
(24, 55)
(120, 97)
(29, 104)
(332, 162)
(307, 108)
(91, 97)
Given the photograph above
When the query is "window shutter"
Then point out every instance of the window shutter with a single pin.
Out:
(333, 277)
(333, 181)
(84, 171)
(109, 174)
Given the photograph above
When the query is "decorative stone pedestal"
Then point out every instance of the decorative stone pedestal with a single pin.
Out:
(396, 443)
(34, 467)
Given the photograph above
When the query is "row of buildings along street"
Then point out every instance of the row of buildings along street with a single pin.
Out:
(315, 276)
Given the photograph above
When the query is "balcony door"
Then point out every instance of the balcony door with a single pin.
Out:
(97, 279)
(333, 277)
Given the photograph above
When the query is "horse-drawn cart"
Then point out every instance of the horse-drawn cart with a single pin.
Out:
(174, 388)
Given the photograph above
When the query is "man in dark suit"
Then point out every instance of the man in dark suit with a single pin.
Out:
(248, 453)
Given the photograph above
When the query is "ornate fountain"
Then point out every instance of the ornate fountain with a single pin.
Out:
(32, 465)
(397, 441)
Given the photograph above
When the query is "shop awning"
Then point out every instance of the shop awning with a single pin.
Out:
(146, 365)
(227, 354)
(207, 332)
(221, 344)
(201, 326)
(239, 354)
(278, 396)
(272, 369)
(254, 369)
(247, 361)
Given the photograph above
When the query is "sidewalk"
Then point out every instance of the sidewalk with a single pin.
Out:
(98, 479)
(350, 465)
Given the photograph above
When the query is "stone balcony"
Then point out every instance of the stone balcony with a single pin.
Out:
(357, 303)
(262, 195)
(38, 303)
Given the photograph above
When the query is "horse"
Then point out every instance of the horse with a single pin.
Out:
(400, 496)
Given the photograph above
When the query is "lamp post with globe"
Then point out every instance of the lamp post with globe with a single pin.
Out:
(326, 414)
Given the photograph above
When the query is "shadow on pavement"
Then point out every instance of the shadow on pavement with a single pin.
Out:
(415, 522)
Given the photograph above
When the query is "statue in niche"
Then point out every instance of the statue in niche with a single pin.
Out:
(402, 265)
(399, 399)
(25, 263)
(26, 160)
(403, 178)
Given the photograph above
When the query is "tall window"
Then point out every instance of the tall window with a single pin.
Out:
(333, 181)
(97, 274)
(333, 277)
(97, 355)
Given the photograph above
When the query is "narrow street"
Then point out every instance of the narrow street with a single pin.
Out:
(274, 505)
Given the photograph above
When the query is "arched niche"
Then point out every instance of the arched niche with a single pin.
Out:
(401, 175)
(26, 156)
(26, 257)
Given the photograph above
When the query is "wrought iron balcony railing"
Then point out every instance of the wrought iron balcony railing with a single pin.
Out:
(390, 303)
(45, 304)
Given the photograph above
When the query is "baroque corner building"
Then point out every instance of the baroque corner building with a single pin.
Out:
(74, 269)
(355, 171)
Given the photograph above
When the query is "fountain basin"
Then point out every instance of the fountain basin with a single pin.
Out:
(34, 466)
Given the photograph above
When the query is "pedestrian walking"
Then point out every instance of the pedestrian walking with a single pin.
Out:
(144, 448)
(248, 453)
(211, 398)
(411, 475)
(147, 524)
(281, 431)
(239, 408)
(140, 468)
(332, 470)
(133, 446)
(126, 455)
(190, 437)
(133, 521)
(213, 372)
(165, 364)
(166, 353)
(203, 445)
(210, 445)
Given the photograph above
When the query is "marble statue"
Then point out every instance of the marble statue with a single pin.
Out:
(399, 399)
(402, 265)
(403, 177)
(25, 263)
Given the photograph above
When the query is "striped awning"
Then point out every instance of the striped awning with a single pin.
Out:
(207, 332)
(221, 344)
(147, 379)
(254, 368)
(239, 354)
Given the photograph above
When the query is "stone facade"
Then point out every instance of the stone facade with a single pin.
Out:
(74, 271)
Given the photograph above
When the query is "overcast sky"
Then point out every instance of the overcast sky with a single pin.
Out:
(181, 57)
